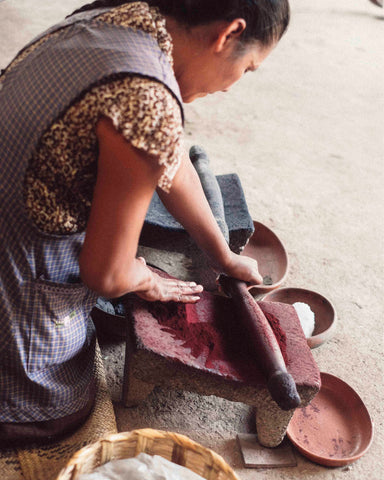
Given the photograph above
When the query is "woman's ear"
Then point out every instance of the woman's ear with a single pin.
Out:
(231, 31)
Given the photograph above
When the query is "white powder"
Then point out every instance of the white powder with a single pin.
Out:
(142, 467)
(306, 317)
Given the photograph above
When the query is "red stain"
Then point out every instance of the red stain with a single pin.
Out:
(182, 321)
(209, 329)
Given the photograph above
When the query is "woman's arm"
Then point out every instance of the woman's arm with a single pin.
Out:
(126, 181)
(186, 201)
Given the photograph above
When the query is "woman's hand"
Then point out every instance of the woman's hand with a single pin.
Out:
(188, 204)
(169, 289)
(243, 268)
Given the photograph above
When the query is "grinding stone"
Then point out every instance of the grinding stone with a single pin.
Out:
(158, 355)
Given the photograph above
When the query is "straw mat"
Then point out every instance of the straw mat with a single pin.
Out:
(45, 462)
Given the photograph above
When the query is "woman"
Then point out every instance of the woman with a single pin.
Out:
(91, 121)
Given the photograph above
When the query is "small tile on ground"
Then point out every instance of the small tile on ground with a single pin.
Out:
(257, 456)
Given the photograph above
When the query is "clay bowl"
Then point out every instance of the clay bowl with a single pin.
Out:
(325, 314)
(335, 429)
(272, 258)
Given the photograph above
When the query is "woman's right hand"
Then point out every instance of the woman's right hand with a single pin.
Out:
(169, 289)
(244, 268)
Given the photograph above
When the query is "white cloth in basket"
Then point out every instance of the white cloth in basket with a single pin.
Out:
(142, 467)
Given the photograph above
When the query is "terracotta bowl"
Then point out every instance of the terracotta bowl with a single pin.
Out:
(325, 315)
(335, 429)
(272, 258)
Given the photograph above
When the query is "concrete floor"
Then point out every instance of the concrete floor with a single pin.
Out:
(305, 135)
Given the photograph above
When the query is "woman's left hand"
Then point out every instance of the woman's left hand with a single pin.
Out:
(163, 289)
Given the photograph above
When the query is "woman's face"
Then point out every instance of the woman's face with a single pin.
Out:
(212, 73)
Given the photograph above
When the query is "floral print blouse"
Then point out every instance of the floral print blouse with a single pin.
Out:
(61, 174)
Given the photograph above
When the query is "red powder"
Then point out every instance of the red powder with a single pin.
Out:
(204, 338)
(181, 320)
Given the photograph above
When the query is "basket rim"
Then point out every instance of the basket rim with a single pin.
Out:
(179, 439)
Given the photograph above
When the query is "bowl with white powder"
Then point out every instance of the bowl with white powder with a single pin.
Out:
(316, 313)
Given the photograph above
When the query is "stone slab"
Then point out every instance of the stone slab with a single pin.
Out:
(231, 358)
(161, 230)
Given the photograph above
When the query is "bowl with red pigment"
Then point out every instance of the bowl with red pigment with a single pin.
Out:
(335, 429)
(265, 247)
(325, 314)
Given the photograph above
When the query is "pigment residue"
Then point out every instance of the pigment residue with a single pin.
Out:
(203, 337)
(279, 334)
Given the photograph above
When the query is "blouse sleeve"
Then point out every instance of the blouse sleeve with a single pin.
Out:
(146, 113)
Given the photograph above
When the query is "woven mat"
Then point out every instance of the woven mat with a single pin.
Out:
(45, 462)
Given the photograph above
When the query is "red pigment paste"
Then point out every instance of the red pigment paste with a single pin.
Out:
(279, 334)
(203, 338)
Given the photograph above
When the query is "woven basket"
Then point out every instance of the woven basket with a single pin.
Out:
(177, 448)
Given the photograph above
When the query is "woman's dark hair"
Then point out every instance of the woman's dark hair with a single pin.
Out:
(267, 20)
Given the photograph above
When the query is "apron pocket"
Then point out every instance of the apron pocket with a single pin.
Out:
(59, 322)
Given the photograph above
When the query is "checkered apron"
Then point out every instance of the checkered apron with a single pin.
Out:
(47, 340)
